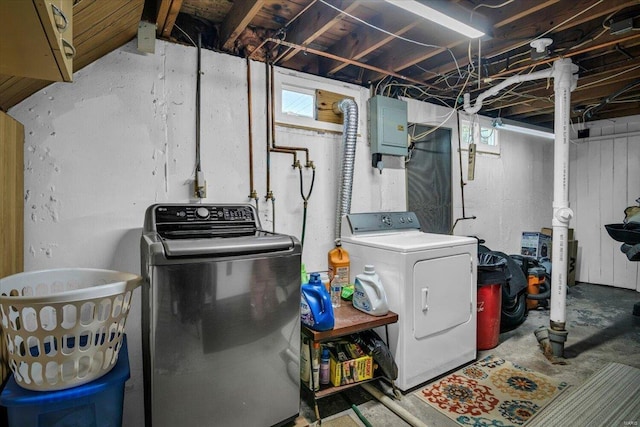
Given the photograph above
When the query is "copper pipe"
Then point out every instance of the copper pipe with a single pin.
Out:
(273, 126)
(252, 190)
(269, 194)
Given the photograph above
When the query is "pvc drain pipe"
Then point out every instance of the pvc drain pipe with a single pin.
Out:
(389, 403)
(565, 78)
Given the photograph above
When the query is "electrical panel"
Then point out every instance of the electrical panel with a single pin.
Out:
(388, 126)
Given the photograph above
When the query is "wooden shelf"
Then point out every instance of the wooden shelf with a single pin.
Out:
(348, 320)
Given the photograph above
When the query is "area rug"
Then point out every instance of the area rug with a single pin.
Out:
(491, 392)
(610, 397)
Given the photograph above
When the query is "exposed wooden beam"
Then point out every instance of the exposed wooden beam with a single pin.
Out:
(366, 41)
(238, 18)
(170, 20)
(315, 22)
(588, 83)
(517, 34)
(349, 61)
(516, 11)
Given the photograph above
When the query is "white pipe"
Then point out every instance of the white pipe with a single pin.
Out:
(564, 83)
(545, 74)
(389, 403)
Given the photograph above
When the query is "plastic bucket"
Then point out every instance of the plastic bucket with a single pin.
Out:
(535, 280)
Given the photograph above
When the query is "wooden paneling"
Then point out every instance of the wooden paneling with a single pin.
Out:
(604, 180)
(11, 195)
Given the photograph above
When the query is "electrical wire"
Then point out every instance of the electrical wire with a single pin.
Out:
(453, 110)
(557, 26)
(608, 77)
(187, 35)
(362, 21)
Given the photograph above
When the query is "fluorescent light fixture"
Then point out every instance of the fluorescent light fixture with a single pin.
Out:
(433, 15)
(524, 128)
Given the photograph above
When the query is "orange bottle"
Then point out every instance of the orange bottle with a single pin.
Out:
(339, 264)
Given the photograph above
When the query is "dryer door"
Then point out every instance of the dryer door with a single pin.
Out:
(442, 294)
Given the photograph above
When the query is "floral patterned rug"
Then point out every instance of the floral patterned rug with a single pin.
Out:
(491, 392)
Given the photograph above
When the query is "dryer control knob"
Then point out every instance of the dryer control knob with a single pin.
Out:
(202, 213)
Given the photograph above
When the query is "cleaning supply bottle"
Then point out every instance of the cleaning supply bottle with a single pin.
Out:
(339, 264)
(324, 366)
(315, 366)
(336, 292)
(315, 305)
(369, 295)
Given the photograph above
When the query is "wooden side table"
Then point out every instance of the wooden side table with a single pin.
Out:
(348, 320)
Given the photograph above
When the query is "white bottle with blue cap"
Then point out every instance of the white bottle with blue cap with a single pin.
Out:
(369, 295)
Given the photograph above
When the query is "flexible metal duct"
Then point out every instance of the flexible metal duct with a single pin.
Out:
(349, 109)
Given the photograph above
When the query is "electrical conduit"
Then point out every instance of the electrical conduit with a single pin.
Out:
(349, 109)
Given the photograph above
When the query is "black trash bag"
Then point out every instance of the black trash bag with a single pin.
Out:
(370, 340)
(498, 267)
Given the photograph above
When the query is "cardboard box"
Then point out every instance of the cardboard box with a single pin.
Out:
(536, 245)
(346, 369)
(549, 232)
(573, 254)
(572, 263)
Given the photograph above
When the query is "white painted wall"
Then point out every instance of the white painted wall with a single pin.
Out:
(604, 180)
(121, 137)
(511, 193)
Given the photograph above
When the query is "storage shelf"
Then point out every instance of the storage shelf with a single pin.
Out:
(348, 320)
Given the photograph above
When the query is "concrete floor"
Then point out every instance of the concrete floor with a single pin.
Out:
(601, 328)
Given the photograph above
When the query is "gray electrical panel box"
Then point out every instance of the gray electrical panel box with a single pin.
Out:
(388, 126)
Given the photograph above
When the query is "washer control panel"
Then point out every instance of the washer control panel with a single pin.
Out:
(204, 213)
(381, 221)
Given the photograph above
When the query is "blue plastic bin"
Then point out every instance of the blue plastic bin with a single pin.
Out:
(95, 404)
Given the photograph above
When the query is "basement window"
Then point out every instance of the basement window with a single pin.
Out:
(482, 133)
(300, 101)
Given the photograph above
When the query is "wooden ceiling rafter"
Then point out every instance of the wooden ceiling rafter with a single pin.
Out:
(167, 13)
(315, 22)
(237, 20)
(370, 41)
(511, 38)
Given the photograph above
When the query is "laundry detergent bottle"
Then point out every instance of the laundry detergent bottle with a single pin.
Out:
(369, 295)
(316, 311)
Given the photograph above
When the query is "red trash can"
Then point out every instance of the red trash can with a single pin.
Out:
(492, 274)
(489, 309)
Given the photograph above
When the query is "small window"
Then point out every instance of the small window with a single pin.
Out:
(297, 102)
(484, 136)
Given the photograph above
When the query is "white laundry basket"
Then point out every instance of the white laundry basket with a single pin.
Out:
(64, 327)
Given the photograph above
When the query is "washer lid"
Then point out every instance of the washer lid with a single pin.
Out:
(408, 241)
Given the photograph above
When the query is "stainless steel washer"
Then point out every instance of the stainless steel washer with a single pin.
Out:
(220, 318)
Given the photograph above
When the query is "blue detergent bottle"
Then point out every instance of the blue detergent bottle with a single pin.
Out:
(316, 311)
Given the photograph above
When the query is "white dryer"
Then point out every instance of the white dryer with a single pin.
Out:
(430, 282)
